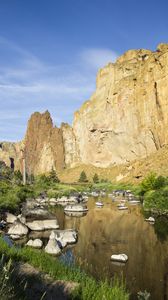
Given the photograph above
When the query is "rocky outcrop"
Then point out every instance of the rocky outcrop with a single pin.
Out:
(71, 150)
(43, 144)
(126, 117)
(11, 154)
(42, 147)
(124, 120)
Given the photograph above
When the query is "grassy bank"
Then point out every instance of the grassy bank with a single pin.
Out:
(89, 288)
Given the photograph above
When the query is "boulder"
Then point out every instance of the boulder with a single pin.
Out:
(76, 208)
(10, 218)
(119, 257)
(37, 213)
(62, 199)
(15, 237)
(52, 247)
(53, 201)
(22, 219)
(18, 229)
(150, 220)
(40, 225)
(59, 238)
(68, 236)
(37, 243)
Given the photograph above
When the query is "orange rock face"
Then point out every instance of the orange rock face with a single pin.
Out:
(43, 145)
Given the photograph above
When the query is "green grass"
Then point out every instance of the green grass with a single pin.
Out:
(9, 289)
(89, 288)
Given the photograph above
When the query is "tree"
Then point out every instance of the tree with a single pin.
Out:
(95, 178)
(53, 176)
(83, 177)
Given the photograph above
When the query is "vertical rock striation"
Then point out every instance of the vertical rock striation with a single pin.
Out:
(126, 118)
(43, 144)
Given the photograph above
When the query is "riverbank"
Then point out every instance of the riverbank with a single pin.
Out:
(88, 287)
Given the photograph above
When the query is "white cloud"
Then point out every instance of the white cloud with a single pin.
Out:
(28, 84)
(98, 58)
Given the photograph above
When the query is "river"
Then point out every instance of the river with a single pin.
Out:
(106, 231)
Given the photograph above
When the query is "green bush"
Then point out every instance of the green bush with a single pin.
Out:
(156, 200)
(148, 183)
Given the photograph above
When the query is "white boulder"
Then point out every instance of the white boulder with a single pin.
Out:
(119, 257)
(18, 229)
(22, 219)
(10, 218)
(68, 236)
(40, 225)
(52, 247)
(37, 243)
(150, 220)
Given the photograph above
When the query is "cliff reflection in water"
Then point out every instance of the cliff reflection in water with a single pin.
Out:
(107, 231)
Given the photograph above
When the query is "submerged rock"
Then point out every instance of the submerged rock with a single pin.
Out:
(76, 208)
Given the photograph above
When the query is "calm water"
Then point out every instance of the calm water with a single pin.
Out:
(106, 231)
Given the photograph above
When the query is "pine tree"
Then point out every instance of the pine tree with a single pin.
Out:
(83, 177)
(95, 178)
(53, 176)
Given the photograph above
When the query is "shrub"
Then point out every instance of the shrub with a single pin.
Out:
(160, 182)
(148, 183)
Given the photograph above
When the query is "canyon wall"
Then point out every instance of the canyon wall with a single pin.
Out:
(43, 142)
(42, 147)
(127, 116)
(126, 119)
(11, 151)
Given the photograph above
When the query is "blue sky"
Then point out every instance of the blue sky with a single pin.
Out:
(50, 51)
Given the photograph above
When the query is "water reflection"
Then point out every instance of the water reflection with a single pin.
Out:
(107, 231)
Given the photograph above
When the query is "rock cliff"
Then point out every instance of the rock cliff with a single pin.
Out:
(10, 153)
(44, 147)
(126, 119)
